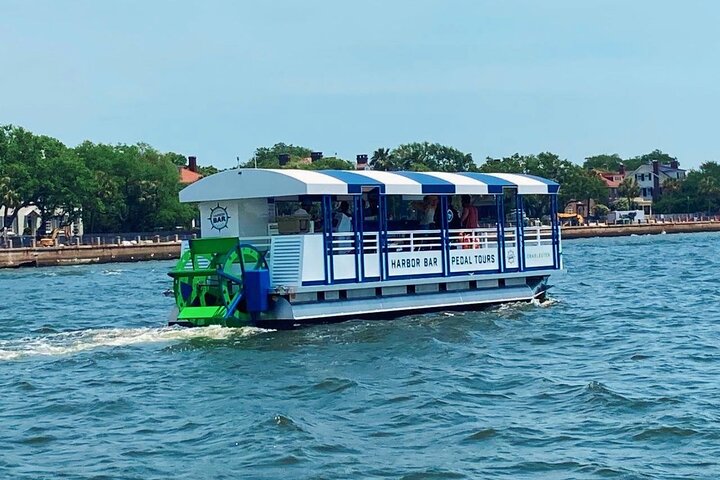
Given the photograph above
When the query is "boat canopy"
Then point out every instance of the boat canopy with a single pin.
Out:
(265, 183)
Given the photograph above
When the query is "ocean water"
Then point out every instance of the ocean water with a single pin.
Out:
(617, 375)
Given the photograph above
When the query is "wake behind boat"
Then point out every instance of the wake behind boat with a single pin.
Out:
(287, 247)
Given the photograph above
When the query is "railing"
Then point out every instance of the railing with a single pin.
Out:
(343, 243)
(414, 240)
(537, 236)
(473, 238)
(370, 242)
(109, 239)
(510, 237)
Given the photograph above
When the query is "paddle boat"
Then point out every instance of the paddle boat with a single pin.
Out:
(280, 247)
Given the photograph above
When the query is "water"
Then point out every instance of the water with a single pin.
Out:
(616, 376)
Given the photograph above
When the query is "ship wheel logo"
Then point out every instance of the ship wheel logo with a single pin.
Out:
(218, 218)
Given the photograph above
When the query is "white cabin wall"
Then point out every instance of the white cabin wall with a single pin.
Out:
(255, 217)
(246, 218)
(206, 227)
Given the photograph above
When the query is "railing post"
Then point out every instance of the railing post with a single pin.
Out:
(382, 237)
(326, 207)
(359, 240)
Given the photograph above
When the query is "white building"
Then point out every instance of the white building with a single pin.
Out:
(28, 222)
(651, 177)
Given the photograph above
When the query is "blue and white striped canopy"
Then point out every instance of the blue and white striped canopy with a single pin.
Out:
(259, 183)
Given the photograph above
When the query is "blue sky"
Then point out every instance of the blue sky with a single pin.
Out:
(220, 78)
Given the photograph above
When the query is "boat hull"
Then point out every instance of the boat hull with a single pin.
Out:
(287, 313)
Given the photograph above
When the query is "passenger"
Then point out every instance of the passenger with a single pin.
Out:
(305, 222)
(469, 217)
(452, 216)
(426, 212)
(342, 220)
(303, 210)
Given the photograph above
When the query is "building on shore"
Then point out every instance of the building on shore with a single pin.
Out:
(650, 177)
(190, 173)
(612, 181)
(29, 222)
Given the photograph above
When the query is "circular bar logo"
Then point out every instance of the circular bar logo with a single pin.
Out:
(218, 218)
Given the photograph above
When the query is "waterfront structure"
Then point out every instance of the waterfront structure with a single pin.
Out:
(277, 248)
(28, 222)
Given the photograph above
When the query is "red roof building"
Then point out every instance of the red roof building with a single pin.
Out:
(190, 173)
(612, 181)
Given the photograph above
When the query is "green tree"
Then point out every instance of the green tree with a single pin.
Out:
(18, 155)
(207, 170)
(604, 162)
(325, 163)
(427, 156)
(383, 159)
(134, 188)
(635, 162)
(39, 170)
(601, 210)
(630, 190)
(176, 158)
(267, 157)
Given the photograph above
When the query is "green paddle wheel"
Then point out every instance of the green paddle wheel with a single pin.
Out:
(208, 282)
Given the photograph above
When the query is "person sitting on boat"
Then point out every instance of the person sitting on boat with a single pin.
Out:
(469, 217)
(305, 223)
(469, 221)
(303, 210)
(342, 222)
(426, 212)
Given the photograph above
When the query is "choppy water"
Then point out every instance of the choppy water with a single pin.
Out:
(617, 376)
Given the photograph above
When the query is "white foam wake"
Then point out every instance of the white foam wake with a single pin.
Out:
(78, 341)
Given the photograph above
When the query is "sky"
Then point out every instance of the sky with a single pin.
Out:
(218, 79)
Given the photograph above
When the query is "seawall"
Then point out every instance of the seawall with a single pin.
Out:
(638, 229)
(84, 254)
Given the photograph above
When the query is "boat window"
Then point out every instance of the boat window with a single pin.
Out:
(299, 215)
(371, 210)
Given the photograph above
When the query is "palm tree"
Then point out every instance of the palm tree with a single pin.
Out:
(10, 200)
(383, 159)
(709, 188)
(630, 190)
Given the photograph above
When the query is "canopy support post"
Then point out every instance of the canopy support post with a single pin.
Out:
(500, 212)
(444, 240)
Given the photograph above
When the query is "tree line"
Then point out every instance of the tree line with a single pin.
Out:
(133, 188)
(113, 188)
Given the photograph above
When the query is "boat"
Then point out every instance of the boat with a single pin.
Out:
(281, 248)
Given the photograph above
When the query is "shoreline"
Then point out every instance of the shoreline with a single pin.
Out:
(87, 254)
(93, 254)
(570, 233)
